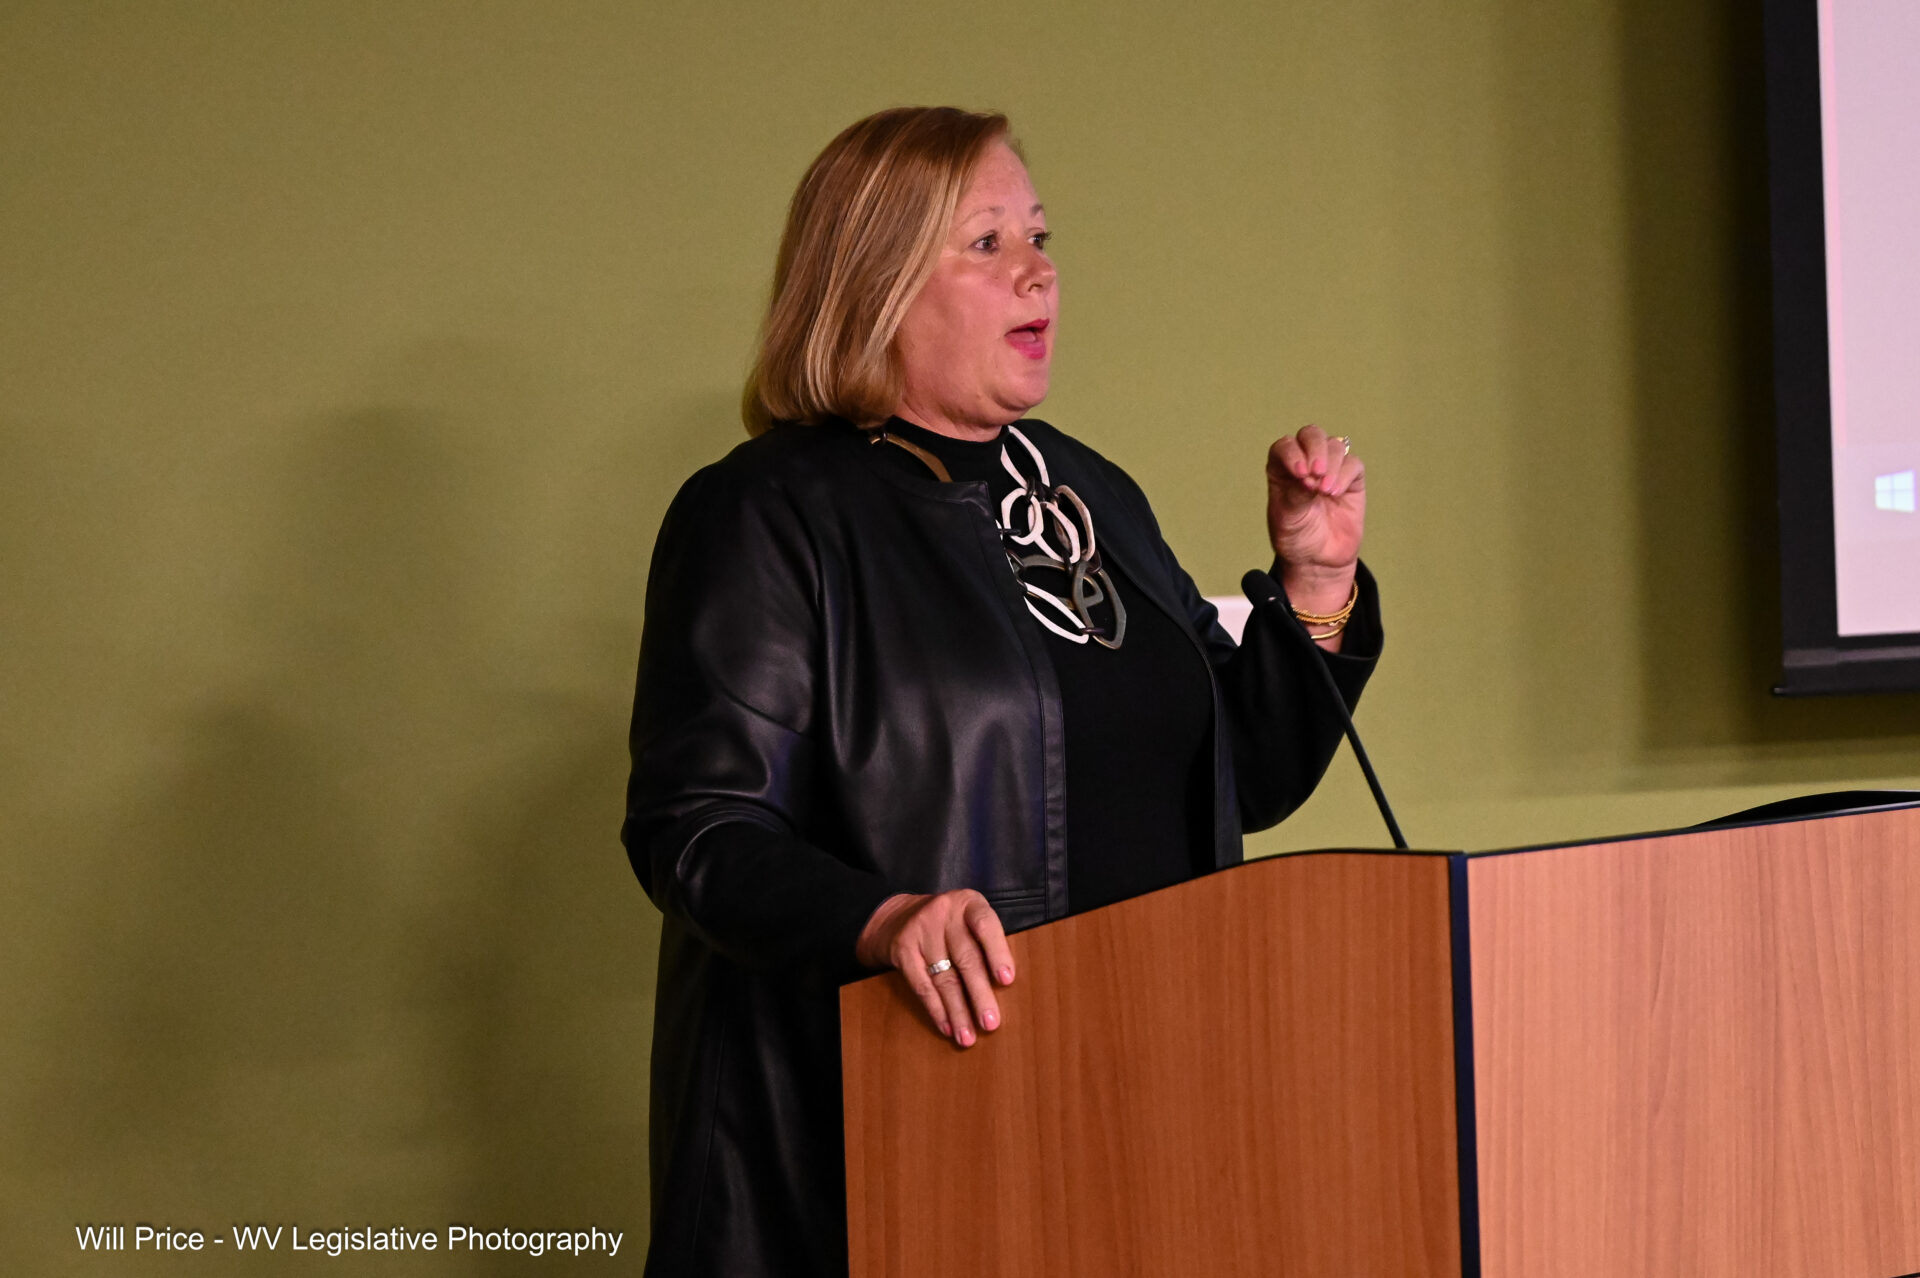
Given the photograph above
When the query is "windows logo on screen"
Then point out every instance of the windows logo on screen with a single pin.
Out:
(1894, 492)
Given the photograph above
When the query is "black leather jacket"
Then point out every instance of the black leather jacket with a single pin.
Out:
(841, 696)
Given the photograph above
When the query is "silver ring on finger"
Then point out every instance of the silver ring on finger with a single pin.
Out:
(944, 965)
(1346, 442)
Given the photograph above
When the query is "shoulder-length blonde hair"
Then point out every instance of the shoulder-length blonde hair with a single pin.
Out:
(863, 234)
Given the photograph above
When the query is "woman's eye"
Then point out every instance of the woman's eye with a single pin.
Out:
(989, 241)
(1041, 239)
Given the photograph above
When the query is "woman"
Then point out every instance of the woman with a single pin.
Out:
(917, 670)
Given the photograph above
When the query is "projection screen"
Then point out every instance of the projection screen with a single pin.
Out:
(1844, 140)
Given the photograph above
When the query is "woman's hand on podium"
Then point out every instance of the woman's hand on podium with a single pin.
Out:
(952, 950)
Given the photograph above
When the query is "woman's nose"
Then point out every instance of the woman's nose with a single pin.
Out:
(1037, 271)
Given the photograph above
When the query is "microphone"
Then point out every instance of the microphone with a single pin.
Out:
(1263, 590)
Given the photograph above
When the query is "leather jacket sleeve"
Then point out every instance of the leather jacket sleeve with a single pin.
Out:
(1284, 730)
(1280, 723)
(723, 756)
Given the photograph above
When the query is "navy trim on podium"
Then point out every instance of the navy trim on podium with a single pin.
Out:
(1465, 1118)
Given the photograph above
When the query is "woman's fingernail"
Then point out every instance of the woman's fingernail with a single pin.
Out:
(946, 1030)
(1006, 976)
(966, 1038)
(991, 1020)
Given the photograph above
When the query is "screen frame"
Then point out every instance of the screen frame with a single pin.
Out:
(1815, 658)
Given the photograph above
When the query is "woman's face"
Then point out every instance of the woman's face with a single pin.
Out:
(977, 343)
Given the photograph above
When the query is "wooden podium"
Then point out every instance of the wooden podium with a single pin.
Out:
(1671, 1056)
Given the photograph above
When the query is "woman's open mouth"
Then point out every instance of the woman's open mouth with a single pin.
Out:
(1029, 339)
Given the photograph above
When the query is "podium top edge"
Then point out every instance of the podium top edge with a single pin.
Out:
(1702, 828)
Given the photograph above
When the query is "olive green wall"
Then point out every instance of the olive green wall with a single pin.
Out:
(350, 352)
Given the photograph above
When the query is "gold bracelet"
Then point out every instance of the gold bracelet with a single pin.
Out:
(1326, 634)
(1332, 618)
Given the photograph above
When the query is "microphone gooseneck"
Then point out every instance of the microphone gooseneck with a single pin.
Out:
(1264, 592)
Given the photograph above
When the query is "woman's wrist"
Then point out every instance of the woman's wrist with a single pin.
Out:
(1313, 588)
(876, 939)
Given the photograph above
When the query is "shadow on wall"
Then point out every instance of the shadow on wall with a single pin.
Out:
(1694, 91)
(364, 948)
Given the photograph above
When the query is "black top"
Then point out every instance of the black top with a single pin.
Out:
(1138, 718)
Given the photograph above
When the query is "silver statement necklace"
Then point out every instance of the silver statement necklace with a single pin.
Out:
(1048, 534)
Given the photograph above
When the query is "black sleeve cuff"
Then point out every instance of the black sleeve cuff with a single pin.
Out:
(1363, 637)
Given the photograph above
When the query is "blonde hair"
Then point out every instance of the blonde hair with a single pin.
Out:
(863, 233)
